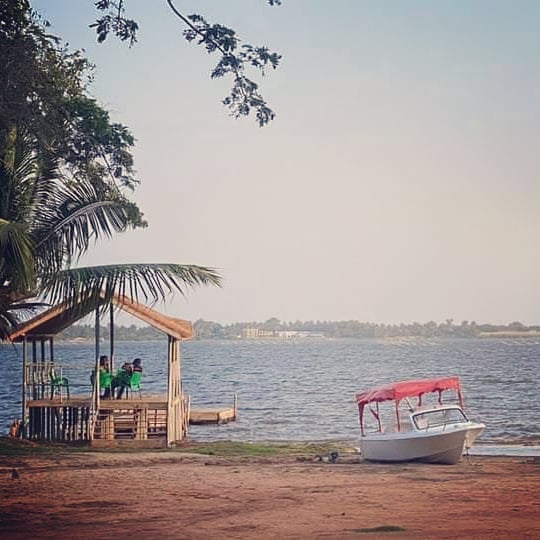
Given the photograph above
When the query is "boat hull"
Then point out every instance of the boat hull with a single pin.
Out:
(443, 446)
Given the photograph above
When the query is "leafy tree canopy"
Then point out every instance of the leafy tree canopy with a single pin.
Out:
(44, 93)
(234, 56)
(65, 172)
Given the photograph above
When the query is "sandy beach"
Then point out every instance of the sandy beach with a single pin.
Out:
(174, 495)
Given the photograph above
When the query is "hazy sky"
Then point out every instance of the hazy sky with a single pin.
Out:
(399, 181)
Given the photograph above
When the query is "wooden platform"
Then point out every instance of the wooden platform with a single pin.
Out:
(197, 416)
(212, 416)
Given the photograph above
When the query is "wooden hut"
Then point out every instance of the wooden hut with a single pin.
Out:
(52, 413)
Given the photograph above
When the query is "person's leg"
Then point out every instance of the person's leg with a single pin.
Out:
(120, 391)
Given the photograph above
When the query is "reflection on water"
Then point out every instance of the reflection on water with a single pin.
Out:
(304, 390)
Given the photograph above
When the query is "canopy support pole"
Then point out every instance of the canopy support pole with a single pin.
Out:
(23, 400)
(96, 367)
(111, 336)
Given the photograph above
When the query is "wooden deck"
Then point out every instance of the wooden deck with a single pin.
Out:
(197, 416)
(212, 416)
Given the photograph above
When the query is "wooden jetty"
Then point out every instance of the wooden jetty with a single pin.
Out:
(213, 415)
(138, 422)
(120, 422)
(50, 413)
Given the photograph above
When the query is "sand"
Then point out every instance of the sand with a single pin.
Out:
(171, 495)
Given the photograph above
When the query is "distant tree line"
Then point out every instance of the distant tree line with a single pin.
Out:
(329, 329)
(356, 329)
(121, 333)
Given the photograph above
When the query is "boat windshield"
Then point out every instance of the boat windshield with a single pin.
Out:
(439, 417)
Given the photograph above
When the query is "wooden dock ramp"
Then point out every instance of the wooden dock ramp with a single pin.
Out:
(212, 415)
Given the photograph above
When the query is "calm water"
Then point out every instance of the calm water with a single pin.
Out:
(304, 390)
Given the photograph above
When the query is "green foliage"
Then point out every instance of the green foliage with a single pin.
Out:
(114, 21)
(43, 99)
(234, 59)
(354, 329)
(65, 168)
(95, 146)
(254, 449)
(46, 218)
(142, 282)
(329, 329)
(21, 447)
(121, 333)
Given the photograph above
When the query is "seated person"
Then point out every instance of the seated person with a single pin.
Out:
(105, 376)
(137, 365)
(123, 377)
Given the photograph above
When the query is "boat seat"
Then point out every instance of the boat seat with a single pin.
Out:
(405, 424)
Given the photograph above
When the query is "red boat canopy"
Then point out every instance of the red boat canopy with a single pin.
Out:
(400, 390)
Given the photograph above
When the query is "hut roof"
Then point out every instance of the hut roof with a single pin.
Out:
(60, 317)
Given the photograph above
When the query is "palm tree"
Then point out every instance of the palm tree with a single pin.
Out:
(48, 220)
(64, 169)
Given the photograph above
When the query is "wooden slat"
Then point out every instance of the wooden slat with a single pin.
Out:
(211, 416)
(180, 406)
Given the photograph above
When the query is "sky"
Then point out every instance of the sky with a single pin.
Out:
(399, 181)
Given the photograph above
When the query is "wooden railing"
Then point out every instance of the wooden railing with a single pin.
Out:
(42, 379)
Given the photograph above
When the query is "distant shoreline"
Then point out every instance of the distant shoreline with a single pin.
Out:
(510, 334)
(274, 330)
(502, 334)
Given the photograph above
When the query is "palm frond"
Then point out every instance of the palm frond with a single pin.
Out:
(8, 323)
(17, 171)
(147, 283)
(73, 216)
(16, 256)
(13, 314)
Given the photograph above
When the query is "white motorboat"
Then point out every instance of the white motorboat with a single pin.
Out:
(436, 433)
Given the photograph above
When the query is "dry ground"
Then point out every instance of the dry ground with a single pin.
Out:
(172, 495)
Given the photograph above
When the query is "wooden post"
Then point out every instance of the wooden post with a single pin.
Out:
(187, 412)
(44, 389)
(170, 412)
(34, 362)
(174, 393)
(141, 423)
(107, 425)
(111, 337)
(96, 374)
(179, 392)
(23, 401)
(95, 390)
(45, 385)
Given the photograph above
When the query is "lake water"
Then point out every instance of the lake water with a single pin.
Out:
(305, 389)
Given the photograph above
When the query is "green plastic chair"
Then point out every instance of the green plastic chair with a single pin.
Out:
(105, 383)
(134, 384)
(58, 383)
(121, 381)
